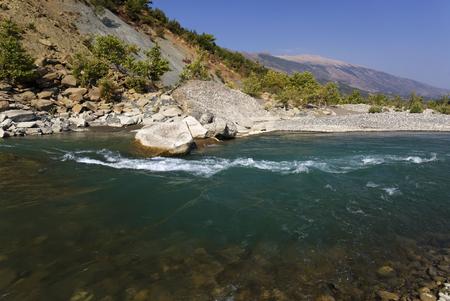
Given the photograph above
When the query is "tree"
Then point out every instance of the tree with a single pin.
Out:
(252, 85)
(112, 49)
(153, 67)
(16, 66)
(195, 70)
(88, 69)
(355, 97)
(274, 82)
(135, 7)
(329, 94)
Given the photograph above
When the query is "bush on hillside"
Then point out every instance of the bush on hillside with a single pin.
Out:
(138, 83)
(416, 108)
(252, 85)
(375, 109)
(195, 70)
(112, 49)
(108, 89)
(16, 66)
(88, 69)
(135, 7)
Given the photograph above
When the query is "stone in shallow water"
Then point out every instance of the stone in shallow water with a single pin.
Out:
(7, 276)
(388, 296)
(81, 295)
(386, 272)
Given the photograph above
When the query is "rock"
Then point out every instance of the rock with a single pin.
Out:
(158, 117)
(43, 104)
(94, 94)
(4, 105)
(127, 121)
(386, 272)
(75, 94)
(5, 124)
(78, 122)
(325, 298)
(33, 131)
(3, 134)
(206, 118)
(142, 102)
(27, 96)
(81, 295)
(66, 103)
(387, 296)
(69, 81)
(172, 112)
(167, 138)
(20, 115)
(427, 297)
(51, 76)
(221, 129)
(7, 276)
(28, 124)
(197, 130)
(90, 105)
(41, 62)
(46, 42)
(77, 109)
(431, 271)
(45, 94)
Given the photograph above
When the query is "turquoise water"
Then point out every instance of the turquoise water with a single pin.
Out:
(274, 217)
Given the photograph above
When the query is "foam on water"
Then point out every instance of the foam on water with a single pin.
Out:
(209, 166)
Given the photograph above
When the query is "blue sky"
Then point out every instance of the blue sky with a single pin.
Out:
(409, 38)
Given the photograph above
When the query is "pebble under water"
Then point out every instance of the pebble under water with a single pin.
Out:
(86, 216)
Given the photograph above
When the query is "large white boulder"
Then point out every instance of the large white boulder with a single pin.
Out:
(197, 130)
(170, 139)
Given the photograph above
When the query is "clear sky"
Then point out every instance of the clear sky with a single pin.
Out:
(409, 38)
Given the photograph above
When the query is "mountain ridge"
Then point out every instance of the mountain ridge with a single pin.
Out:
(347, 74)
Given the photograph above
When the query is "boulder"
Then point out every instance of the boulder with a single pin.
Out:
(51, 76)
(33, 131)
(127, 121)
(221, 129)
(20, 115)
(90, 105)
(27, 96)
(388, 296)
(158, 117)
(3, 134)
(197, 130)
(69, 81)
(77, 109)
(45, 94)
(171, 112)
(67, 102)
(78, 122)
(75, 94)
(27, 124)
(43, 104)
(167, 138)
(4, 105)
(94, 94)
(5, 124)
(206, 118)
(386, 272)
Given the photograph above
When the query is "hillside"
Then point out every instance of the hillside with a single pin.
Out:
(346, 74)
(59, 29)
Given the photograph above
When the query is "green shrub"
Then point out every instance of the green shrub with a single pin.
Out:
(88, 69)
(375, 109)
(416, 108)
(16, 66)
(112, 49)
(108, 89)
(252, 85)
(138, 83)
(153, 67)
(135, 7)
(195, 70)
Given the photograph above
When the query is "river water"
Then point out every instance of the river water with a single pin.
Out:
(275, 217)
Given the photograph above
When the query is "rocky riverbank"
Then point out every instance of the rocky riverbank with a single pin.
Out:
(196, 110)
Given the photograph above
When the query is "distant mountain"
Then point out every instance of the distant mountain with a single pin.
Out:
(348, 75)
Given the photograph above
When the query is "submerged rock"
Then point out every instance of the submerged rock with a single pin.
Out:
(388, 296)
(167, 138)
(386, 272)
